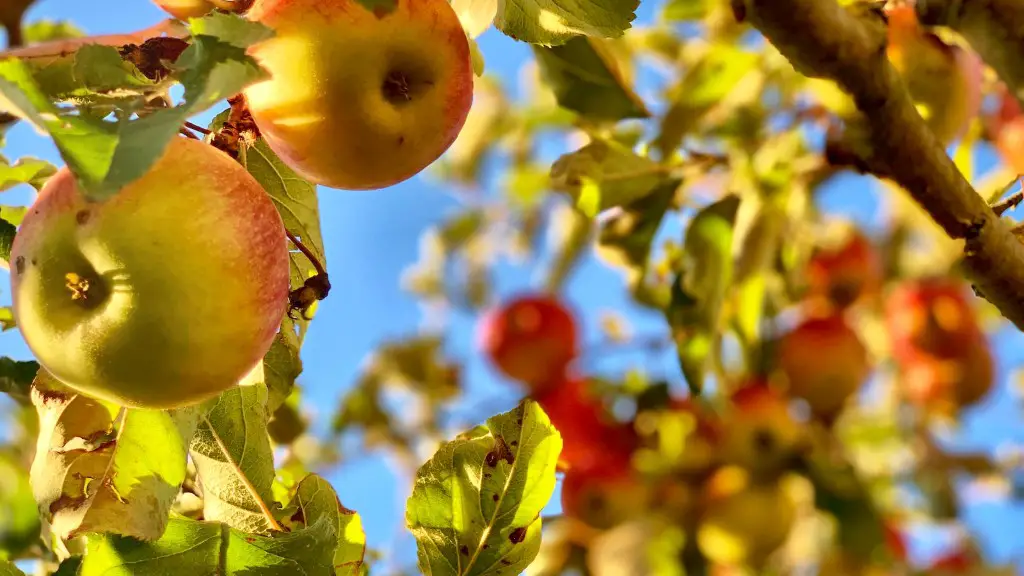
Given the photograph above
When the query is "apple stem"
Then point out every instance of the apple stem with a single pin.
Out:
(314, 288)
(1009, 203)
(196, 128)
(188, 133)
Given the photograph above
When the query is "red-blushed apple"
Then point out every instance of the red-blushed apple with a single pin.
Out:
(824, 362)
(843, 272)
(944, 80)
(185, 9)
(162, 296)
(743, 522)
(530, 338)
(606, 492)
(946, 385)
(957, 561)
(360, 99)
(759, 434)
(931, 316)
(589, 432)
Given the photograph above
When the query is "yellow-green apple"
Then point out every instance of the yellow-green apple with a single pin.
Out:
(164, 295)
(759, 434)
(944, 80)
(185, 9)
(530, 338)
(824, 362)
(843, 271)
(743, 522)
(360, 99)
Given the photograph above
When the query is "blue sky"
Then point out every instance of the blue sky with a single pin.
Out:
(370, 237)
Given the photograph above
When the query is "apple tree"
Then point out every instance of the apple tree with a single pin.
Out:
(821, 368)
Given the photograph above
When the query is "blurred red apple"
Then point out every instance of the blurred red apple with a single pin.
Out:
(931, 316)
(843, 272)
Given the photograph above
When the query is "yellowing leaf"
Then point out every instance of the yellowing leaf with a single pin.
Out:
(550, 23)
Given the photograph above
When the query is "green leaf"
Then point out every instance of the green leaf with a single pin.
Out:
(101, 469)
(622, 176)
(19, 519)
(25, 171)
(9, 569)
(586, 79)
(7, 234)
(281, 367)
(701, 287)
(105, 156)
(190, 547)
(475, 506)
(705, 84)
(625, 239)
(232, 453)
(16, 376)
(551, 23)
(231, 28)
(316, 499)
(683, 10)
(101, 69)
(50, 30)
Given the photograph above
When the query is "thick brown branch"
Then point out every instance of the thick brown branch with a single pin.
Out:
(994, 28)
(823, 40)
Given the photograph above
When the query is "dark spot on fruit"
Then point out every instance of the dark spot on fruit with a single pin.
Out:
(517, 535)
(82, 216)
(34, 262)
(495, 497)
(19, 264)
(401, 140)
(380, 12)
(464, 550)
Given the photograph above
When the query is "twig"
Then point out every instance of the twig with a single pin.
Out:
(196, 128)
(1009, 203)
(848, 46)
(186, 132)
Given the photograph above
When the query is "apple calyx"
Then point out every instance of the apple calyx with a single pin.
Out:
(87, 291)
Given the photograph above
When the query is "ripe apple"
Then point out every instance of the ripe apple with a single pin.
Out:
(360, 99)
(164, 295)
(531, 338)
(605, 493)
(931, 316)
(844, 271)
(590, 435)
(945, 385)
(743, 523)
(824, 362)
(758, 433)
(943, 80)
(185, 9)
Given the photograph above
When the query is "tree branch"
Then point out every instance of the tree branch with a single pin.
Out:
(823, 40)
(994, 28)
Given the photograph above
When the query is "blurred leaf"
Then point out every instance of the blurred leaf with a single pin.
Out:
(569, 237)
(190, 547)
(586, 79)
(281, 367)
(475, 15)
(549, 23)
(315, 499)
(7, 319)
(19, 518)
(9, 569)
(7, 233)
(626, 238)
(622, 176)
(16, 377)
(475, 506)
(286, 424)
(231, 451)
(701, 286)
(101, 469)
(50, 30)
(25, 171)
(704, 85)
(456, 232)
(682, 10)
(418, 363)
(106, 156)
(649, 545)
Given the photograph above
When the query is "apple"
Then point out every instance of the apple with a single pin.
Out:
(589, 433)
(360, 99)
(843, 271)
(185, 9)
(824, 362)
(946, 385)
(943, 80)
(759, 434)
(930, 315)
(605, 493)
(743, 523)
(162, 296)
(701, 442)
(531, 338)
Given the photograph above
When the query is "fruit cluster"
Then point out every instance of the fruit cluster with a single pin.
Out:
(723, 468)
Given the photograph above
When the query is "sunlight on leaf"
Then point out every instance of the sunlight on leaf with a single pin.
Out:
(549, 23)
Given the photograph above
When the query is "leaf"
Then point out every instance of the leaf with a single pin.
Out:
(648, 545)
(316, 499)
(231, 451)
(231, 28)
(683, 10)
(475, 15)
(700, 287)
(586, 79)
(625, 239)
(550, 23)
(9, 569)
(105, 156)
(50, 30)
(30, 171)
(191, 547)
(100, 469)
(296, 200)
(16, 376)
(281, 367)
(622, 176)
(705, 84)
(475, 505)
(7, 234)
(418, 363)
(19, 519)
